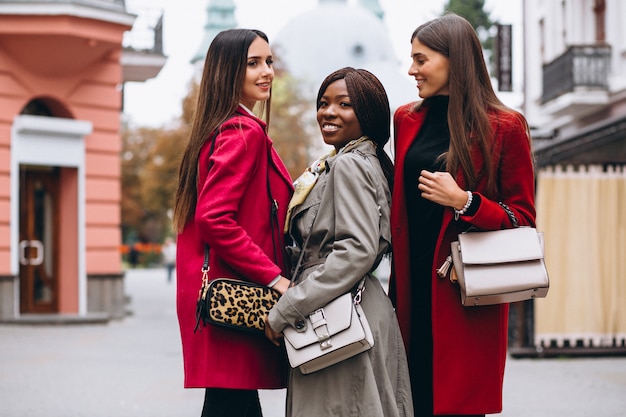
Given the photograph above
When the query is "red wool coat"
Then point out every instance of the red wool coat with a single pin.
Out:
(469, 343)
(233, 217)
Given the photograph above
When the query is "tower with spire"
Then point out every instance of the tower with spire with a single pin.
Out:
(374, 7)
(220, 16)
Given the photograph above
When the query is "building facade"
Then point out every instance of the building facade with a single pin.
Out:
(62, 69)
(575, 102)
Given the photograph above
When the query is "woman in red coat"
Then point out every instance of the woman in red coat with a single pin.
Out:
(459, 153)
(228, 171)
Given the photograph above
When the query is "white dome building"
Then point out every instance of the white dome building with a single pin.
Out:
(336, 34)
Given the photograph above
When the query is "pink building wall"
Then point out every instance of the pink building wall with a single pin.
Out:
(73, 64)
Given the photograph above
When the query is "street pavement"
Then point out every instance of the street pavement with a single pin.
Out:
(133, 368)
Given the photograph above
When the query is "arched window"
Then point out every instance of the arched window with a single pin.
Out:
(43, 106)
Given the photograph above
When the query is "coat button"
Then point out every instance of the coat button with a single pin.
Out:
(300, 324)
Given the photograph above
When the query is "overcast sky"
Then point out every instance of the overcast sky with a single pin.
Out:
(157, 101)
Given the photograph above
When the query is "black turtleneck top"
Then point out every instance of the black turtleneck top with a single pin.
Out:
(433, 139)
(424, 219)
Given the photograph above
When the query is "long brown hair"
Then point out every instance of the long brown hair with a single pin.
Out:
(472, 98)
(220, 93)
(371, 108)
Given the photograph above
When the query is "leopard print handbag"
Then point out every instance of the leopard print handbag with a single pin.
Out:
(233, 303)
(238, 305)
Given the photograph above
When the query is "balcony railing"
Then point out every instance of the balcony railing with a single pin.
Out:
(579, 66)
(142, 55)
(147, 32)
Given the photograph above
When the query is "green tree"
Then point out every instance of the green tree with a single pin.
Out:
(474, 12)
(150, 160)
(159, 178)
(134, 154)
(289, 127)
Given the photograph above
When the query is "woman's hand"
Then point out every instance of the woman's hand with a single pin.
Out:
(441, 188)
(273, 336)
(282, 285)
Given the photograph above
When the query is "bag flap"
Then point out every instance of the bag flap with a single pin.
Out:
(338, 315)
(500, 246)
(483, 280)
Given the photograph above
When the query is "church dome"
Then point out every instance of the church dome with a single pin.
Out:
(335, 35)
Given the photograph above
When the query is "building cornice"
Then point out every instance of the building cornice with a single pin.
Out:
(86, 11)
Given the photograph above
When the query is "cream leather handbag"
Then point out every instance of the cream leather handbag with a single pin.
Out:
(501, 266)
(331, 334)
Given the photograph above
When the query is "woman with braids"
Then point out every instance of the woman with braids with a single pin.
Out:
(340, 214)
(460, 156)
(228, 171)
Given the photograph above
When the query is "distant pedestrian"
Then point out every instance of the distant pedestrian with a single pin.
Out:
(133, 255)
(169, 256)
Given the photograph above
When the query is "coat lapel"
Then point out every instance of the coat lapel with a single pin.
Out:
(410, 122)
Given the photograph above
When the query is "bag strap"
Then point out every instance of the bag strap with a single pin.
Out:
(274, 226)
(510, 213)
(205, 263)
(361, 286)
(304, 245)
(204, 287)
(273, 210)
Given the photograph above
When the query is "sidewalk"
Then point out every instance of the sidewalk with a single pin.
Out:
(133, 367)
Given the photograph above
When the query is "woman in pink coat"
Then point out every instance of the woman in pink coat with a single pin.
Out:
(459, 154)
(229, 176)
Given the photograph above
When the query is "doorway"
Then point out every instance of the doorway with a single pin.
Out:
(39, 239)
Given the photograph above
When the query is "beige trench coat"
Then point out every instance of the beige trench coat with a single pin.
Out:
(347, 214)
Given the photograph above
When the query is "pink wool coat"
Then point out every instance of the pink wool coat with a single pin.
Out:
(233, 217)
(469, 343)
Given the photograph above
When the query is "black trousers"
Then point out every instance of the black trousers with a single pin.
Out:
(221, 402)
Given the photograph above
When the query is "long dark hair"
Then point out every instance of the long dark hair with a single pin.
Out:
(472, 97)
(220, 93)
(371, 107)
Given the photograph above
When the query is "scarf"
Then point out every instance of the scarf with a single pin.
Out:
(307, 180)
